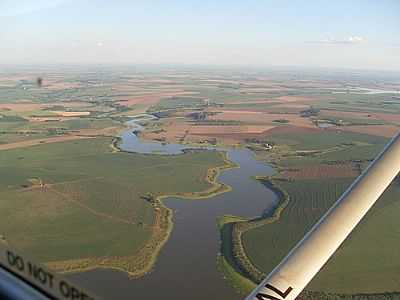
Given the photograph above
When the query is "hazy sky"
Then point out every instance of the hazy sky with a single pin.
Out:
(334, 33)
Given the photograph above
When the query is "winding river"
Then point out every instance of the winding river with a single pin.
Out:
(186, 267)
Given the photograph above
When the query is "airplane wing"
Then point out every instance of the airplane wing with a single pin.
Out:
(304, 261)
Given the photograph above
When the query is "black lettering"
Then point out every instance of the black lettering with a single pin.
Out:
(50, 277)
(283, 295)
(15, 261)
(75, 294)
(71, 292)
(40, 275)
(10, 258)
(64, 289)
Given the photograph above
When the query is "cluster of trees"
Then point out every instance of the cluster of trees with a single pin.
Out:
(283, 121)
(311, 112)
(163, 114)
(198, 116)
(258, 141)
(118, 107)
(55, 107)
(239, 255)
(151, 198)
(56, 131)
(201, 115)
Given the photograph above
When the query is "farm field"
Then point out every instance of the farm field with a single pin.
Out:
(55, 196)
(346, 272)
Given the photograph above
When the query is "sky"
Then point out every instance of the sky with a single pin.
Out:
(341, 34)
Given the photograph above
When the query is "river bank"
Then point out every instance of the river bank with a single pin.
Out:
(234, 262)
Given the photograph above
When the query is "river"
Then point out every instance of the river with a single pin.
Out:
(186, 267)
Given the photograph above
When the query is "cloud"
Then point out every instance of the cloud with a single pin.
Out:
(351, 40)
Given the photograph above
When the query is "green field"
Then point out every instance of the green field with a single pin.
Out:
(91, 203)
(337, 154)
(340, 121)
(361, 102)
(265, 243)
(326, 147)
(178, 102)
(324, 140)
(347, 272)
(11, 132)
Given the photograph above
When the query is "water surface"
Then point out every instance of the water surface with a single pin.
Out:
(186, 267)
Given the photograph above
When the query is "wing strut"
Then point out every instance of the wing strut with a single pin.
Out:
(304, 261)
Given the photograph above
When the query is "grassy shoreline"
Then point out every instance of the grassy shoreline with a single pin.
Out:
(225, 261)
(231, 230)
